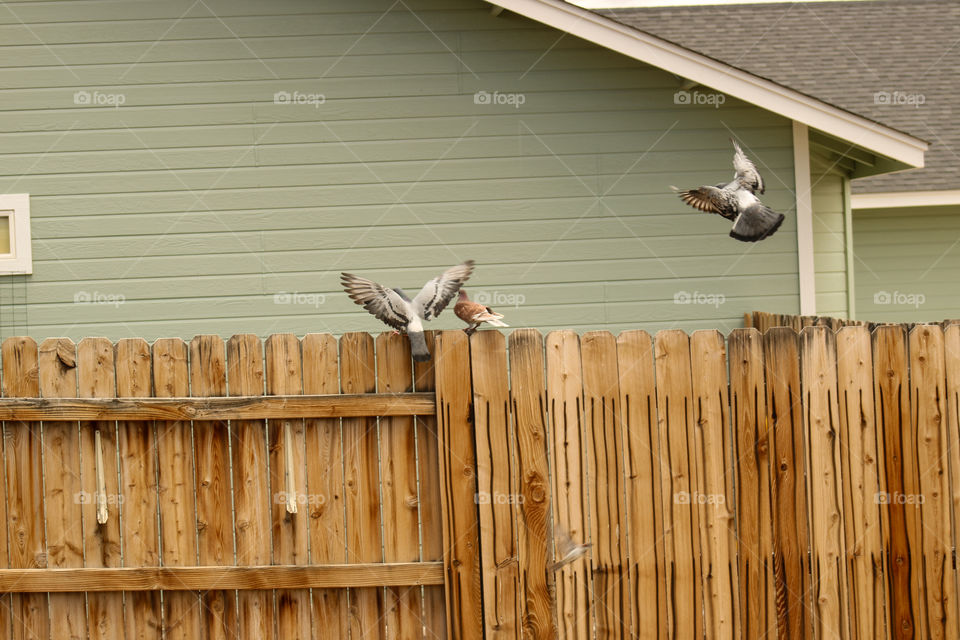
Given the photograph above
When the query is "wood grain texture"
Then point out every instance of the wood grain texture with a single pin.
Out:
(818, 373)
(287, 482)
(605, 468)
(204, 578)
(431, 512)
(251, 489)
(401, 505)
(362, 480)
(574, 581)
(748, 413)
(23, 460)
(325, 482)
(680, 490)
(62, 485)
(929, 414)
(951, 339)
(901, 521)
(791, 524)
(529, 408)
(217, 409)
(178, 512)
(211, 454)
(102, 543)
(862, 475)
(138, 473)
(638, 415)
(715, 480)
(498, 486)
(458, 482)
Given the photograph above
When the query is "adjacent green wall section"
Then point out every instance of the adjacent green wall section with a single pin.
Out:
(213, 166)
(907, 264)
(829, 237)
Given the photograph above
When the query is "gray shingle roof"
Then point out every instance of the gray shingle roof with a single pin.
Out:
(877, 59)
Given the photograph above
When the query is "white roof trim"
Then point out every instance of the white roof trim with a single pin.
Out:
(721, 76)
(895, 199)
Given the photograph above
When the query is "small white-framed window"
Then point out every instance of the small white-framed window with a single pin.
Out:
(15, 253)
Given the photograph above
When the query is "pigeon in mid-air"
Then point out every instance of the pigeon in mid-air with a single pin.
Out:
(736, 200)
(393, 307)
(475, 314)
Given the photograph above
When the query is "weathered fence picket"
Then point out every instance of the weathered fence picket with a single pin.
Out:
(784, 484)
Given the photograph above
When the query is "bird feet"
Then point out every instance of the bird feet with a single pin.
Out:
(470, 331)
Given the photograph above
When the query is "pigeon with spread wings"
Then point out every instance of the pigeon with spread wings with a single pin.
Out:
(396, 309)
(737, 201)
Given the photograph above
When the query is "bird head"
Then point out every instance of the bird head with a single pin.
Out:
(462, 295)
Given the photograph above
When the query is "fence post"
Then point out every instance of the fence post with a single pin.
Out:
(458, 481)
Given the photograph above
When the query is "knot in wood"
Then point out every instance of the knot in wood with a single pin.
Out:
(412, 501)
(467, 471)
(537, 493)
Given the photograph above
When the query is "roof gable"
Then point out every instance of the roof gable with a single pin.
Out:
(905, 150)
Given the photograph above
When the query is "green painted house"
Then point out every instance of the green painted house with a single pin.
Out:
(895, 62)
(175, 168)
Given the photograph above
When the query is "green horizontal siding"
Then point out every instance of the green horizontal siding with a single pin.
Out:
(829, 238)
(201, 206)
(907, 264)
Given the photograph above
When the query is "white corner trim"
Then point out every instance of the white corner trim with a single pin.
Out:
(20, 258)
(801, 177)
(895, 199)
(722, 77)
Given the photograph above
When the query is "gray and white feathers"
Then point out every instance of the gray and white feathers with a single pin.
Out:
(737, 201)
(393, 307)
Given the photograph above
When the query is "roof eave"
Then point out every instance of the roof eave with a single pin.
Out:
(865, 133)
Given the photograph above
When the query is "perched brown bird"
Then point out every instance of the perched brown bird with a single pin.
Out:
(475, 314)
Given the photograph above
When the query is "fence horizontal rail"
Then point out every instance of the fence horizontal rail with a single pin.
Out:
(219, 408)
(395, 574)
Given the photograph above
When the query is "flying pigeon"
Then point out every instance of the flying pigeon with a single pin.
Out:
(566, 549)
(752, 220)
(393, 307)
(475, 314)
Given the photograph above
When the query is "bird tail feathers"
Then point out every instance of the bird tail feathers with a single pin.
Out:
(418, 346)
(756, 223)
(495, 322)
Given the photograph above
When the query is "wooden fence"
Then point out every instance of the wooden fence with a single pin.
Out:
(776, 485)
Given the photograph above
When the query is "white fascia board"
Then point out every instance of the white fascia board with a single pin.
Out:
(896, 199)
(722, 77)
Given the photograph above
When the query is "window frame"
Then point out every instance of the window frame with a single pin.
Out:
(20, 258)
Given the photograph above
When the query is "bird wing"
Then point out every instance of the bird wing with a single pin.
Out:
(706, 198)
(385, 304)
(746, 170)
(757, 222)
(437, 293)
